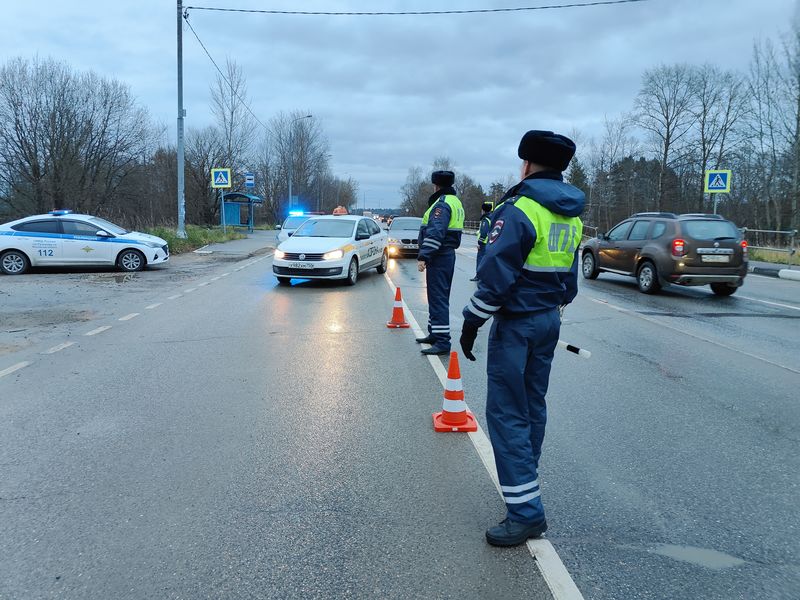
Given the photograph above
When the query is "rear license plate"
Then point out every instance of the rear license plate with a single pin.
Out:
(301, 265)
(715, 258)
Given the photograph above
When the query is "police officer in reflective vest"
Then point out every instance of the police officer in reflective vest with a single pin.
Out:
(529, 272)
(439, 237)
(483, 234)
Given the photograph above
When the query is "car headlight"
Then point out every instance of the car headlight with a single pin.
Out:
(154, 244)
(333, 255)
(279, 254)
(393, 241)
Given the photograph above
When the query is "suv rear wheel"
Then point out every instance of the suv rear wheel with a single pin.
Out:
(647, 278)
(723, 289)
(589, 266)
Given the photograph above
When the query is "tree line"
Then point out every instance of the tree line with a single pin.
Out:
(685, 119)
(77, 140)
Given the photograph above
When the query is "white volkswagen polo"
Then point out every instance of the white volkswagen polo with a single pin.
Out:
(61, 238)
(331, 247)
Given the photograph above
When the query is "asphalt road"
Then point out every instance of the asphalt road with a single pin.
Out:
(236, 439)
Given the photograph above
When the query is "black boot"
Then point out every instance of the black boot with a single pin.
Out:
(512, 533)
(428, 339)
(436, 350)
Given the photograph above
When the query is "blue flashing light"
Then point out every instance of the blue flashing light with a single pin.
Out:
(296, 213)
(58, 213)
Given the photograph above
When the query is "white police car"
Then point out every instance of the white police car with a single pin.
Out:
(61, 238)
(331, 247)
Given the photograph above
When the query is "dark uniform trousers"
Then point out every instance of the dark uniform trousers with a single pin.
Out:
(520, 353)
(438, 278)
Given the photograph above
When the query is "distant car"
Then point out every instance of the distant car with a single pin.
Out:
(62, 238)
(404, 236)
(331, 247)
(660, 248)
(289, 226)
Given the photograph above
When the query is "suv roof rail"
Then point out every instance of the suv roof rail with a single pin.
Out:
(667, 215)
(704, 215)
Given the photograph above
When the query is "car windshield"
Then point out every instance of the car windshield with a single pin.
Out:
(108, 226)
(406, 223)
(294, 222)
(328, 228)
(706, 229)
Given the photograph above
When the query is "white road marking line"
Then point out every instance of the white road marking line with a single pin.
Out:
(768, 302)
(203, 284)
(553, 571)
(175, 297)
(225, 274)
(152, 306)
(189, 291)
(12, 368)
(215, 278)
(129, 317)
(98, 330)
(690, 334)
(59, 348)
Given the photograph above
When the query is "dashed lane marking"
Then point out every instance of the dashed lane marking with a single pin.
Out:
(225, 274)
(689, 333)
(152, 306)
(550, 565)
(59, 348)
(129, 317)
(98, 330)
(175, 297)
(13, 368)
(215, 278)
(189, 291)
(203, 284)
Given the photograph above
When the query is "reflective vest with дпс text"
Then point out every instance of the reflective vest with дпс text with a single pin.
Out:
(557, 238)
(456, 213)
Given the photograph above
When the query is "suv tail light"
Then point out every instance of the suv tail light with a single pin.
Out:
(678, 247)
(744, 248)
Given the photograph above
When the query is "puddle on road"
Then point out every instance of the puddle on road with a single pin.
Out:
(703, 557)
(124, 278)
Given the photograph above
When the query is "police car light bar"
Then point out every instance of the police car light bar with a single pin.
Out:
(296, 213)
(58, 213)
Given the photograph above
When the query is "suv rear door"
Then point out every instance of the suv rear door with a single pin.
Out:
(610, 248)
(711, 243)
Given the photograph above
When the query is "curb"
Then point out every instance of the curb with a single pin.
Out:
(789, 274)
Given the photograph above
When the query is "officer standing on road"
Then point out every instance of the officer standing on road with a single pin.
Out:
(439, 237)
(483, 234)
(529, 272)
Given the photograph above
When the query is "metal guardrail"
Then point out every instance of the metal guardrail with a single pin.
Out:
(772, 240)
(471, 226)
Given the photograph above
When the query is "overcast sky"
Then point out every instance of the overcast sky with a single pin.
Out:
(396, 91)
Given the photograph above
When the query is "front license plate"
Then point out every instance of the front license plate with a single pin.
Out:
(409, 247)
(300, 265)
(715, 258)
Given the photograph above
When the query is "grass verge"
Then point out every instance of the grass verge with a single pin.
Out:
(196, 237)
(781, 258)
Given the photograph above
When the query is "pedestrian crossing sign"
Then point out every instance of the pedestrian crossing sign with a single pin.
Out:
(718, 182)
(220, 178)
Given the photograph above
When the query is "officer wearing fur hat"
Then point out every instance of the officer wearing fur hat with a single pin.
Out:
(529, 271)
(439, 237)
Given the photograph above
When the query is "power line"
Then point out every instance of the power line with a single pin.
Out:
(415, 12)
(221, 74)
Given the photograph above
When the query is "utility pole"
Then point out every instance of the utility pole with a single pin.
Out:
(181, 233)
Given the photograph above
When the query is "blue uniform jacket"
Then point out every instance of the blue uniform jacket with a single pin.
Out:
(436, 232)
(483, 229)
(504, 286)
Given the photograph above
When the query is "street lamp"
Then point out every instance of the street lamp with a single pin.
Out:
(291, 153)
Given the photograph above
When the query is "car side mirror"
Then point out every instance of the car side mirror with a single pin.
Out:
(277, 226)
(362, 236)
(102, 233)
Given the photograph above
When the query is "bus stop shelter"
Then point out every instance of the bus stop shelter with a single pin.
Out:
(238, 209)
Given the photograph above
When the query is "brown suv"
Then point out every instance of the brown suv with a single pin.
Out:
(660, 248)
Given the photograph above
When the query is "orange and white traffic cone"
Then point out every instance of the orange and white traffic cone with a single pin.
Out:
(398, 317)
(454, 415)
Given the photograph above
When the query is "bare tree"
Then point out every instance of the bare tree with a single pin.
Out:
(663, 109)
(236, 125)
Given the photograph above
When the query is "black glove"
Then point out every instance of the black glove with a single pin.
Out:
(468, 334)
